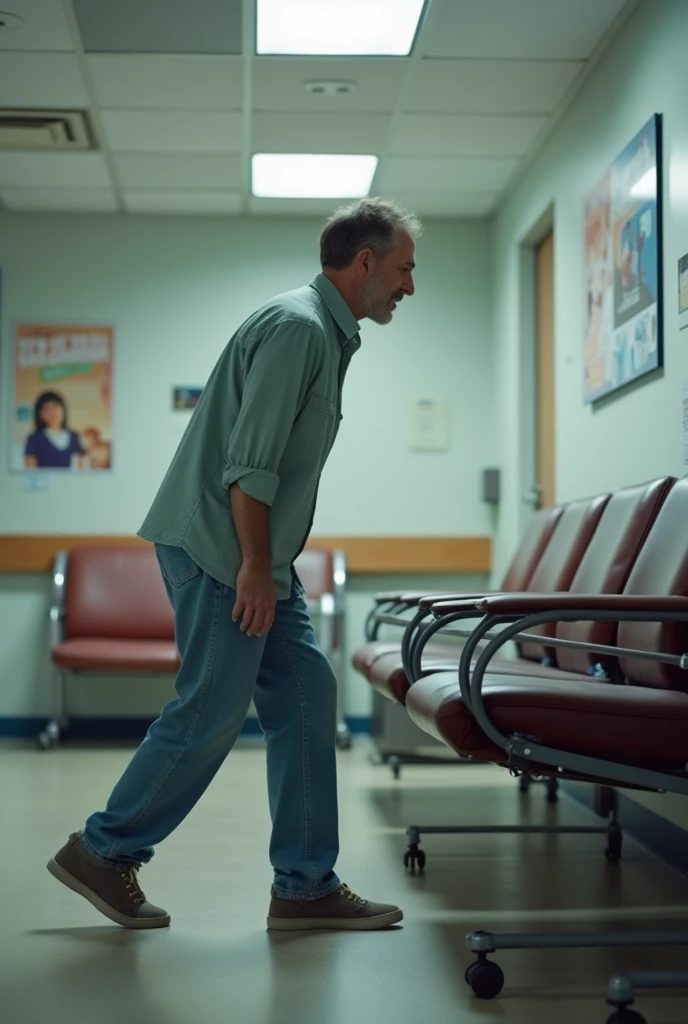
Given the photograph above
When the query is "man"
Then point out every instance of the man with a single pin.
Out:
(232, 515)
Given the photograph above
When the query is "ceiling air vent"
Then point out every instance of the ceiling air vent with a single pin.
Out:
(44, 129)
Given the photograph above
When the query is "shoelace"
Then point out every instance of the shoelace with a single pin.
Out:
(346, 891)
(131, 882)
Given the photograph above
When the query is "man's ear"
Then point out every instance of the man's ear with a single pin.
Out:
(363, 262)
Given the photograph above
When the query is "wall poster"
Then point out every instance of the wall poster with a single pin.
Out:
(62, 405)
(623, 268)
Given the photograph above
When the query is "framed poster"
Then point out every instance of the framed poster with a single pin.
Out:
(683, 293)
(186, 397)
(623, 268)
(62, 398)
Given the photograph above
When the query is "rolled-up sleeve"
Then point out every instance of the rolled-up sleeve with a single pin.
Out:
(279, 366)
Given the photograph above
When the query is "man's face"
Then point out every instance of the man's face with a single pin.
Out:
(388, 281)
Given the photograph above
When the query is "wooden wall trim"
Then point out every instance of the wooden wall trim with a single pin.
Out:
(35, 552)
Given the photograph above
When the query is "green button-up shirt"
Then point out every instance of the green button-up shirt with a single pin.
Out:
(267, 420)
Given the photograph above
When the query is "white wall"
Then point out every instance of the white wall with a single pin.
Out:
(176, 289)
(636, 435)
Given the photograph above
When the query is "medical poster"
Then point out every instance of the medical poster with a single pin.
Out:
(623, 255)
(62, 407)
(683, 293)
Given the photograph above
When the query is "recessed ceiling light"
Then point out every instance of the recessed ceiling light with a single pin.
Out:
(332, 27)
(312, 175)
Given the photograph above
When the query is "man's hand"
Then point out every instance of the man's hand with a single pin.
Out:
(256, 599)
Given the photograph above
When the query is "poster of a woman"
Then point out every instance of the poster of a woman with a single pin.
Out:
(62, 409)
(52, 445)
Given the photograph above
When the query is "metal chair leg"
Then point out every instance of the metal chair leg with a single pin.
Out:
(50, 736)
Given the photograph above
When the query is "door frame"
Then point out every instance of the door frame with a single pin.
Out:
(527, 420)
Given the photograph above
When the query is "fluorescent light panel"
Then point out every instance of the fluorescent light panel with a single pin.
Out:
(312, 176)
(337, 27)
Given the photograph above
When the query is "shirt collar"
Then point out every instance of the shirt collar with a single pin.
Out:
(334, 301)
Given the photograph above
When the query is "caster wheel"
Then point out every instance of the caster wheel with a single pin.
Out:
(44, 741)
(395, 765)
(613, 851)
(485, 978)
(414, 856)
(344, 741)
(625, 1017)
(552, 791)
(524, 784)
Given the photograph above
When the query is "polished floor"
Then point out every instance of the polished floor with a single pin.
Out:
(62, 963)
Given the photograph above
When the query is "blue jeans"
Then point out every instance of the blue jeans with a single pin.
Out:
(294, 693)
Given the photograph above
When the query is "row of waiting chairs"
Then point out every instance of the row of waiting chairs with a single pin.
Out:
(596, 600)
(110, 614)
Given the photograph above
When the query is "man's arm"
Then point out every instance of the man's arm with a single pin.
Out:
(256, 596)
(279, 366)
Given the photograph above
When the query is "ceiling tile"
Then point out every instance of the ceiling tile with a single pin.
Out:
(166, 131)
(420, 175)
(91, 200)
(167, 82)
(448, 204)
(44, 28)
(465, 135)
(29, 170)
(293, 207)
(161, 171)
(150, 201)
(45, 80)
(159, 26)
(491, 87)
(538, 29)
(278, 84)
(319, 133)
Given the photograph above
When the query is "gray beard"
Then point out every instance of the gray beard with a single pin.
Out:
(375, 303)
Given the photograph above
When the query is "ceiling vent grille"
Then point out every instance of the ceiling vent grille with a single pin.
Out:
(44, 129)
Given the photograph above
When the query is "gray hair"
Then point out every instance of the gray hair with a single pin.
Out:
(366, 224)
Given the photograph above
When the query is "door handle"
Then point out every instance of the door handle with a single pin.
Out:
(533, 496)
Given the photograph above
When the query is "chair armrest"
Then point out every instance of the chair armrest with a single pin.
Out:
(531, 604)
(453, 602)
(421, 598)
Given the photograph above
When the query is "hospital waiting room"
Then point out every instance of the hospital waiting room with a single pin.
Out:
(344, 512)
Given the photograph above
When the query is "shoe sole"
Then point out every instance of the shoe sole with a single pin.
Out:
(350, 924)
(75, 885)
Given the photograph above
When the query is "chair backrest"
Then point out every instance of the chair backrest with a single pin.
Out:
(608, 562)
(315, 569)
(561, 558)
(531, 549)
(661, 569)
(116, 592)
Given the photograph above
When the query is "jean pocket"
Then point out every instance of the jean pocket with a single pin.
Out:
(176, 566)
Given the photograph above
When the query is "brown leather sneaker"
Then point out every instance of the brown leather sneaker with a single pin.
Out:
(113, 889)
(341, 909)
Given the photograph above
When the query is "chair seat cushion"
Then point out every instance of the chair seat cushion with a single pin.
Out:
(95, 654)
(367, 655)
(632, 724)
(388, 677)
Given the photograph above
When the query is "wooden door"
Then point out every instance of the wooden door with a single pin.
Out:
(544, 369)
